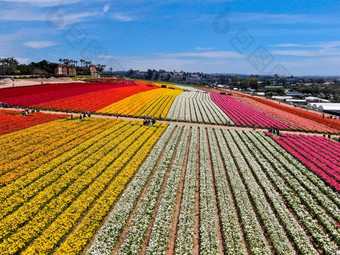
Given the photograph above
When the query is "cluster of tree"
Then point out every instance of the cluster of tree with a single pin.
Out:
(10, 66)
(331, 91)
(244, 84)
(275, 91)
(150, 74)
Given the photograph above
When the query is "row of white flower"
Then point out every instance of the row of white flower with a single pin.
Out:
(294, 230)
(324, 195)
(110, 232)
(310, 181)
(250, 166)
(303, 205)
(188, 107)
(255, 237)
(208, 220)
(230, 229)
(195, 116)
(140, 222)
(196, 94)
(185, 233)
(161, 228)
(188, 88)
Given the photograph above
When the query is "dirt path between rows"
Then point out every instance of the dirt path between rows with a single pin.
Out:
(336, 136)
(175, 219)
(38, 82)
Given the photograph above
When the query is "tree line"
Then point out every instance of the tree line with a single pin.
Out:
(10, 66)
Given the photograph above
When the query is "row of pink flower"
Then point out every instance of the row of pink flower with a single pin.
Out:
(294, 121)
(31, 95)
(323, 161)
(293, 144)
(331, 155)
(326, 146)
(244, 115)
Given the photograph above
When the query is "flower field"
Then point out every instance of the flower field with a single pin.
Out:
(244, 115)
(140, 98)
(68, 195)
(13, 120)
(318, 153)
(332, 124)
(294, 121)
(31, 95)
(213, 191)
(93, 101)
(101, 185)
(130, 106)
(159, 106)
(198, 107)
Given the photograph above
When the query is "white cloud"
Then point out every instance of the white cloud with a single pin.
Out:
(106, 8)
(64, 16)
(209, 65)
(274, 18)
(324, 65)
(39, 44)
(20, 60)
(314, 66)
(43, 3)
(123, 17)
(205, 48)
(311, 50)
(307, 53)
(206, 54)
(324, 45)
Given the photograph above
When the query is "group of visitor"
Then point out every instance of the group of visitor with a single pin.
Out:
(26, 112)
(4, 105)
(228, 123)
(274, 130)
(149, 122)
(330, 117)
(83, 115)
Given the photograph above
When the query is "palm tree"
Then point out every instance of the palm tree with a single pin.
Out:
(2, 61)
(82, 61)
(60, 60)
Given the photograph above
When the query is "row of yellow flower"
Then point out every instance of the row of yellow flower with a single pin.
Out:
(56, 171)
(9, 142)
(79, 238)
(41, 211)
(46, 169)
(51, 237)
(168, 85)
(18, 168)
(53, 203)
(131, 105)
(159, 107)
(57, 130)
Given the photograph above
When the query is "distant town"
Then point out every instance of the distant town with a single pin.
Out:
(292, 89)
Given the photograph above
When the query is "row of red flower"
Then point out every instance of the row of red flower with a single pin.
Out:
(13, 120)
(32, 95)
(95, 100)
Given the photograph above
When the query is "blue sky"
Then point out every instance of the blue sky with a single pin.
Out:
(240, 36)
